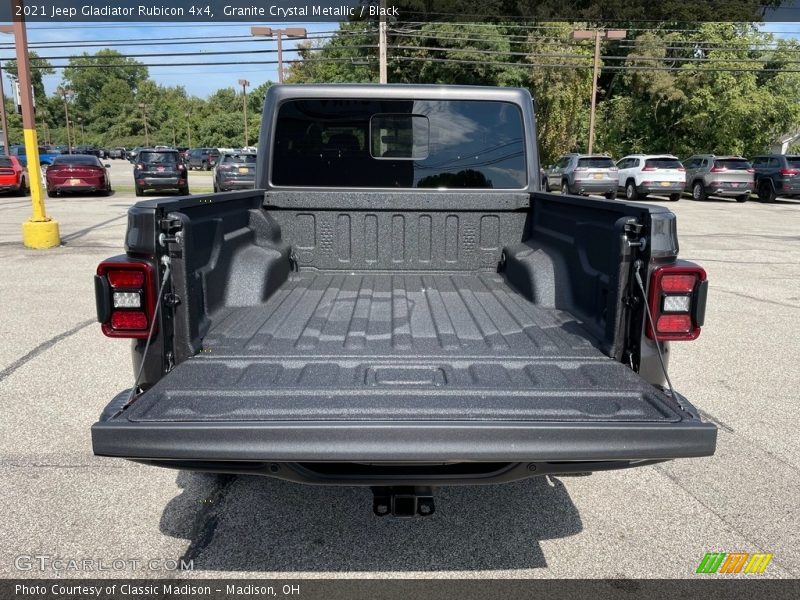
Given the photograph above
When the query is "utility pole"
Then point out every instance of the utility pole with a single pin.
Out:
(382, 42)
(39, 231)
(143, 106)
(65, 94)
(244, 83)
(289, 32)
(83, 138)
(4, 122)
(188, 129)
(174, 137)
(598, 34)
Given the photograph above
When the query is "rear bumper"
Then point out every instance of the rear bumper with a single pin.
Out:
(589, 186)
(726, 190)
(237, 184)
(400, 441)
(672, 188)
(161, 182)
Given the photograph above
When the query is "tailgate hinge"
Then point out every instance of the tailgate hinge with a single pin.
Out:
(633, 234)
(171, 231)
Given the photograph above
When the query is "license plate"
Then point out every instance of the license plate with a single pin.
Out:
(74, 182)
(160, 169)
(665, 184)
(598, 175)
(735, 184)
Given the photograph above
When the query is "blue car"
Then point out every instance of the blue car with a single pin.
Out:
(46, 157)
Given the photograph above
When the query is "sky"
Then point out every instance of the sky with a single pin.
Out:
(200, 80)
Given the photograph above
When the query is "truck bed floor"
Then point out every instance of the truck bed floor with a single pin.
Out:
(371, 346)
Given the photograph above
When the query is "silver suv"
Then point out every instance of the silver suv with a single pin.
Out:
(583, 174)
(710, 175)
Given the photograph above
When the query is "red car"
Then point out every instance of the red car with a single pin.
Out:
(77, 173)
(13, 176)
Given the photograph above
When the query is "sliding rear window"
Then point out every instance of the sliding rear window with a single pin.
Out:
(399, 144)
(663, 163)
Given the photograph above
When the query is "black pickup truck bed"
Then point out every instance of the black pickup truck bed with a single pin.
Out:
(355, 350)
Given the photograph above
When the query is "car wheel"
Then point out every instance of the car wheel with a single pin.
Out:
(766, 193)
(216, 189)
(204, 166)
(743, 198)
(699, 191)
(139, 191)
(630, 190)
(51, 193)
(675, 197)
(23, 188)
(611, 195)
(564, 188)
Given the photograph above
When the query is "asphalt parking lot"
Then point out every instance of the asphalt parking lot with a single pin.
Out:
(57, 371)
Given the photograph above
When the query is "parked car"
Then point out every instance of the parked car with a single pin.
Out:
(18, 150)
(400, 327)
(203, 158)
(235, 171)
(86, 150)
(77, 173)
(583, 174)
(160, 170)
(643, 174)
(132, 154)
(710, 175)
(13, 176)
(117, 153)
(776, 175)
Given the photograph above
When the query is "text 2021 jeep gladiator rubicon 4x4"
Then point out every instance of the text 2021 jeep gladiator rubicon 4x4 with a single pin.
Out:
(399, 306)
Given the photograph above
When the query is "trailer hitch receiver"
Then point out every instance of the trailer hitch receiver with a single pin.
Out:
(403, 502)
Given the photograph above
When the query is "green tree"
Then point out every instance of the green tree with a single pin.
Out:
(87, 74)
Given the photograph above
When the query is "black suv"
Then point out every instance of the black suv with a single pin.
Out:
(160, 170)
(776, 175)
(235, 171)
(202, 158)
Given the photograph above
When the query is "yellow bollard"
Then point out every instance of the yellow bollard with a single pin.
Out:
(39, 231)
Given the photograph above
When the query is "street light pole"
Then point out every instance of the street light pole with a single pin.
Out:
(382, 43)
(244, 83)
(143, 106)
(289, 32)
(66, 93)
(609, 34)
(39, 231)
(3, 120)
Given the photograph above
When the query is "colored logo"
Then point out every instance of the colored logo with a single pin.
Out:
(734, 562)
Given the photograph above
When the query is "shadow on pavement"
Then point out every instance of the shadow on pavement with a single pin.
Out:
(250, 523)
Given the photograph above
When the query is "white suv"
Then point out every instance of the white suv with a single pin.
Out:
(643, 174)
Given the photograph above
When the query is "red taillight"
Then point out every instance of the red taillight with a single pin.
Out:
(751, 170)
(125, 279)
(649, 169)
(125, 296)
(181, 167)
(681, 168)
(718, 169)
(789, 172)
(129, 320)
(677, 299)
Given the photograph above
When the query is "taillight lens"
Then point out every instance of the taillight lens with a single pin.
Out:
(789, 172)
(681, 168)
(125, 296)
(140, 166)
(718, 169)
(648, 168)
(677, 300)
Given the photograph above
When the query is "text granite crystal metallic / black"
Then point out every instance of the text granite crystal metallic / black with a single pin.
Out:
(398, 305)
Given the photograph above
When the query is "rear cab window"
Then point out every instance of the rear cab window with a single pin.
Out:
(399, 144)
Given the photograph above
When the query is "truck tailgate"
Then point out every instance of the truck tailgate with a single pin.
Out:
(401, 367)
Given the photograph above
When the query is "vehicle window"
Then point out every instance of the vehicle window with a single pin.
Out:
(6, 163)
(76, 159)
(663, 163)
(635, 162)
(19, 151)
(249, 159)
(794, 161)
(734, 164)
(562, 162)
(471, 144)
(399, 136)
(158, 157)
(624, 163)
(759, 161)
(596, 162)
(772, 163)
